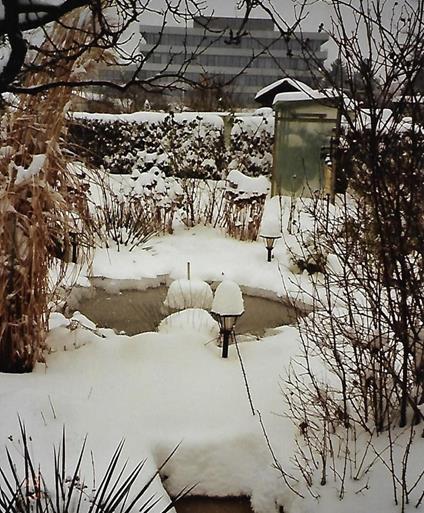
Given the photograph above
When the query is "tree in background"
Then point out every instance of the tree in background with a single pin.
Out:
(210, 94)
(340, 77)
(23, 25)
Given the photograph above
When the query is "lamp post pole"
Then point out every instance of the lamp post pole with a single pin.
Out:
(269, 254)
(225, 343)
(226, 330)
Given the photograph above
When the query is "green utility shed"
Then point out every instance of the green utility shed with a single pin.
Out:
(304, 125)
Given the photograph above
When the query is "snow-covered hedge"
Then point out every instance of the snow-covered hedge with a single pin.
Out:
(183, 145)
(252, 138)
(122, 145)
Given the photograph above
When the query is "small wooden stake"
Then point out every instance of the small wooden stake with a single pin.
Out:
(188, 270)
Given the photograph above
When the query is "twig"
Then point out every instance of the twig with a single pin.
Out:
(244, 373)
(52, 407)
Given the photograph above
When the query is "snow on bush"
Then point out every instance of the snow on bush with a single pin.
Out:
(307, 254)
(252, 139)
(165, 191)
(228, 299)
(242, 187)
(166, 175)
(129, 210)
(195, 319)
(121, 143)
(245, 200)
(189, 294)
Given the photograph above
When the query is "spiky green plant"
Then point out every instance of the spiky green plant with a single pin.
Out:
(118, 491)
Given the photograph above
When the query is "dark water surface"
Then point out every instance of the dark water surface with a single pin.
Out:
(214, 505)
(135, 311)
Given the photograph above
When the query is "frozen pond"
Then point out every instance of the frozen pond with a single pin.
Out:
(135, 311)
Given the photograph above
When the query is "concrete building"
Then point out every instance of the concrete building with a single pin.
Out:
(208, 52)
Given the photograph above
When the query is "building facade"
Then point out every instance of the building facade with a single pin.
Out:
(209, 52)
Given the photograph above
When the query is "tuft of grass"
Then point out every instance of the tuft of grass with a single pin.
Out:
(118, 491)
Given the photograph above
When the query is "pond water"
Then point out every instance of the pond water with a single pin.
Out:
(198, 504)
(135, 311)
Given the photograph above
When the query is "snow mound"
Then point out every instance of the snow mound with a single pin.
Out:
(68, 338)
(57, 319)
(194, 319)
(69, 334)
(218, 464)
(246, 187)
(271, 220)
(189, 294)
(228, 299)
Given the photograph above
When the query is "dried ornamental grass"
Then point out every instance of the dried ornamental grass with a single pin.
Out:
(41, 204)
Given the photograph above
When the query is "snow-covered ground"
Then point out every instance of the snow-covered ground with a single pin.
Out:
(158, 390)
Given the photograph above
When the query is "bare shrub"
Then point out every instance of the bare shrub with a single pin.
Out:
(129, 211)
(123, 219)
(244, 205)
(367, 325)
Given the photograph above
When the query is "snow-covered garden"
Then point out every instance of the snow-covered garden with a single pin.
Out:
(318, 410)
(234, 432)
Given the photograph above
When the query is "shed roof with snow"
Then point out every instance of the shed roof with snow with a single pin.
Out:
(285, 85)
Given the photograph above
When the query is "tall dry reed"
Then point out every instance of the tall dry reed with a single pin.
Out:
(42, 204)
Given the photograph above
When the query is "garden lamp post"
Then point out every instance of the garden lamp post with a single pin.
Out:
(227, 307)
(270, 243)
(226, 327)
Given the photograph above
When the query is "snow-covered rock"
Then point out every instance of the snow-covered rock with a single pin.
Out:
(69, 334)
(81, 319)
(68, 338)
(185, 293)
(57, 319)
(194, 319)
